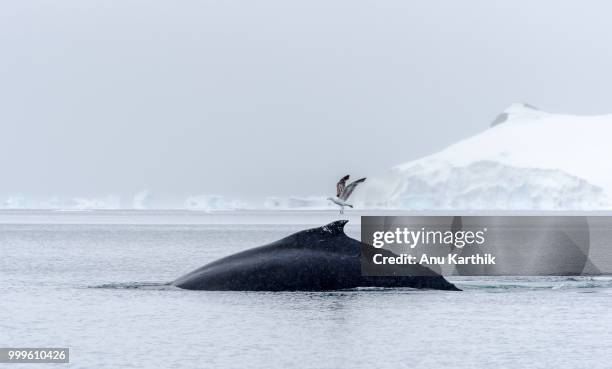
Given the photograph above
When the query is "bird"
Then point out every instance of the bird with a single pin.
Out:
(343, 192)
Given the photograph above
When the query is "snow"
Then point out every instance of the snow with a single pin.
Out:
(528, 159)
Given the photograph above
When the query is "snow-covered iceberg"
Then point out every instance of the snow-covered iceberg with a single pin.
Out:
(527, 159)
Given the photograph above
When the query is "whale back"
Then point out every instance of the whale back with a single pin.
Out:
(316, 259)
(319, 258)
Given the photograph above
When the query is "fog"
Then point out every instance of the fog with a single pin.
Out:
(245, 98)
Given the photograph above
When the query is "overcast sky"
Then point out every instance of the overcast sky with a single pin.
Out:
(255, 98)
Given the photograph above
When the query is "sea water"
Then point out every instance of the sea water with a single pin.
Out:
(97, 282)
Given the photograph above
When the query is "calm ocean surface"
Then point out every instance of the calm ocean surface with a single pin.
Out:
(96, 282)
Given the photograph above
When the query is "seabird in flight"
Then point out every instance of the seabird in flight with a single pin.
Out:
(343, 192)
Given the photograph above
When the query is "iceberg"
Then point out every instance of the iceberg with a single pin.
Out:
(106, 203)
(526, 160)
(212, 203)
(142, 200)
(14, 202)
(298, 203)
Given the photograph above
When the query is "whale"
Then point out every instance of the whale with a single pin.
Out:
(317, 259)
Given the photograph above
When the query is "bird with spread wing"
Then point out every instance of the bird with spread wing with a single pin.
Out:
(343, 191)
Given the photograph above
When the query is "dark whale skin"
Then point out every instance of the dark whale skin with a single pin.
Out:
(318, 259)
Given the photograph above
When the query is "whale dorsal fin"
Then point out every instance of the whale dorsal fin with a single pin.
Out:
(335, 228)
